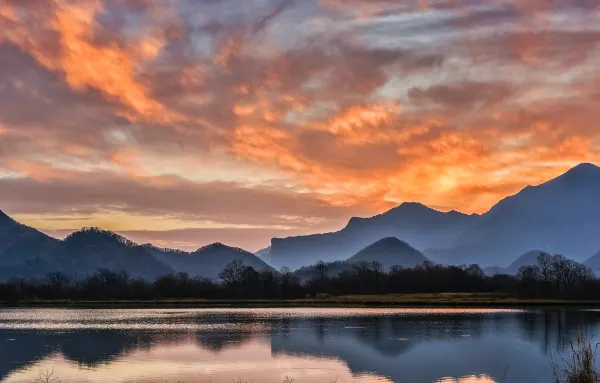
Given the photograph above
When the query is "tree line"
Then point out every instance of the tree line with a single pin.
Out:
(553, 277)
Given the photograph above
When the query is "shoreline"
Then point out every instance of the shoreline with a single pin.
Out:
(355, 301)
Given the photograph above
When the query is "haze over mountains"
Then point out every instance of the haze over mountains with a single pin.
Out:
(413, 223)
(560, 216)
(28, 253)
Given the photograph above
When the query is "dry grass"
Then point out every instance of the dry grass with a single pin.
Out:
(579, 366)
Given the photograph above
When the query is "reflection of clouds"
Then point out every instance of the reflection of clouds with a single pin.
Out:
(313, 345)
(188, 362)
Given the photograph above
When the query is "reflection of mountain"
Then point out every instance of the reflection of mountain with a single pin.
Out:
(93, 348)
(552, 329)
(420, 347)
(425, 348)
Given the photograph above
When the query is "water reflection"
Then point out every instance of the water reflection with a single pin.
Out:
(266, 345)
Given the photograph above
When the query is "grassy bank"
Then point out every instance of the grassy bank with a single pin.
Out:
(395, 300)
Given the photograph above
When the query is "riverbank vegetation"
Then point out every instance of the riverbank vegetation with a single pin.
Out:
(554, 279)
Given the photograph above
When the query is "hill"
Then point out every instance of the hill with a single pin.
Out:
(28, 253)
(208, 261)
(417, 224)
(389, 252)
(84, 252)
(23, 250)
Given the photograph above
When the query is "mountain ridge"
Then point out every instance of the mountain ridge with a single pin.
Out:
(416, 223)
(28, 253)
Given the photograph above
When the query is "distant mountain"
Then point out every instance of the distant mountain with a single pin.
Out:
(28, 253)
(333, 269)
(594, 263)
(264, 254)
(23, 250)
(207, 261)
(389, 252)
(494, 270)
(85, 251)
(561, 216)
(419, 225)
(528, 259)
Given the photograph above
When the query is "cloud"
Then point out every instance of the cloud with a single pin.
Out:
(287, 115)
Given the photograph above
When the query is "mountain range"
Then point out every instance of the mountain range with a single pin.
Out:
(28, 253)
(559, 216)
(387, 252)
(414, 223)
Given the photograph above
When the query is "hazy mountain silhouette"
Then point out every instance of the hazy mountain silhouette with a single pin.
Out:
(390, 252)
(528, 259)
(28, 253)
(333, 269)
(560, 216)
(23, 250)
(594, 263)
(87, 250)
(264, 254)
(208, 261)
(417, 224)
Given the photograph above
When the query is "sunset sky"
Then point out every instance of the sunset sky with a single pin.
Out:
(184, 122)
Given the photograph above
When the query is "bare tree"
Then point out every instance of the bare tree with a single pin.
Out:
(47, 376)
(58, 280)
(233, 274)
(321, 269)
(286, 277)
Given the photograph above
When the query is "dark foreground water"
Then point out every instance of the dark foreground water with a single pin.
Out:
(307, 345)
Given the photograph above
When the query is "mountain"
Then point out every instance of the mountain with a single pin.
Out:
(528, 259)
(560, 216)
(417, 224)
(264, 254)
(23, 250)
(85, 251)
(208, 261)
(28, 253)
(332, 269)
(389, 252)
(594, 263)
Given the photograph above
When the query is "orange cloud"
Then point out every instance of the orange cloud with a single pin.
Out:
(456, 106)
(110, 68)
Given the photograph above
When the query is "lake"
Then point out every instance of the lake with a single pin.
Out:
(303, 344)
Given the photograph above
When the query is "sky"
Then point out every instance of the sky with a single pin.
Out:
(185, 122)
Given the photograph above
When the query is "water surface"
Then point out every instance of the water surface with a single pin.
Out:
(268, 345)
